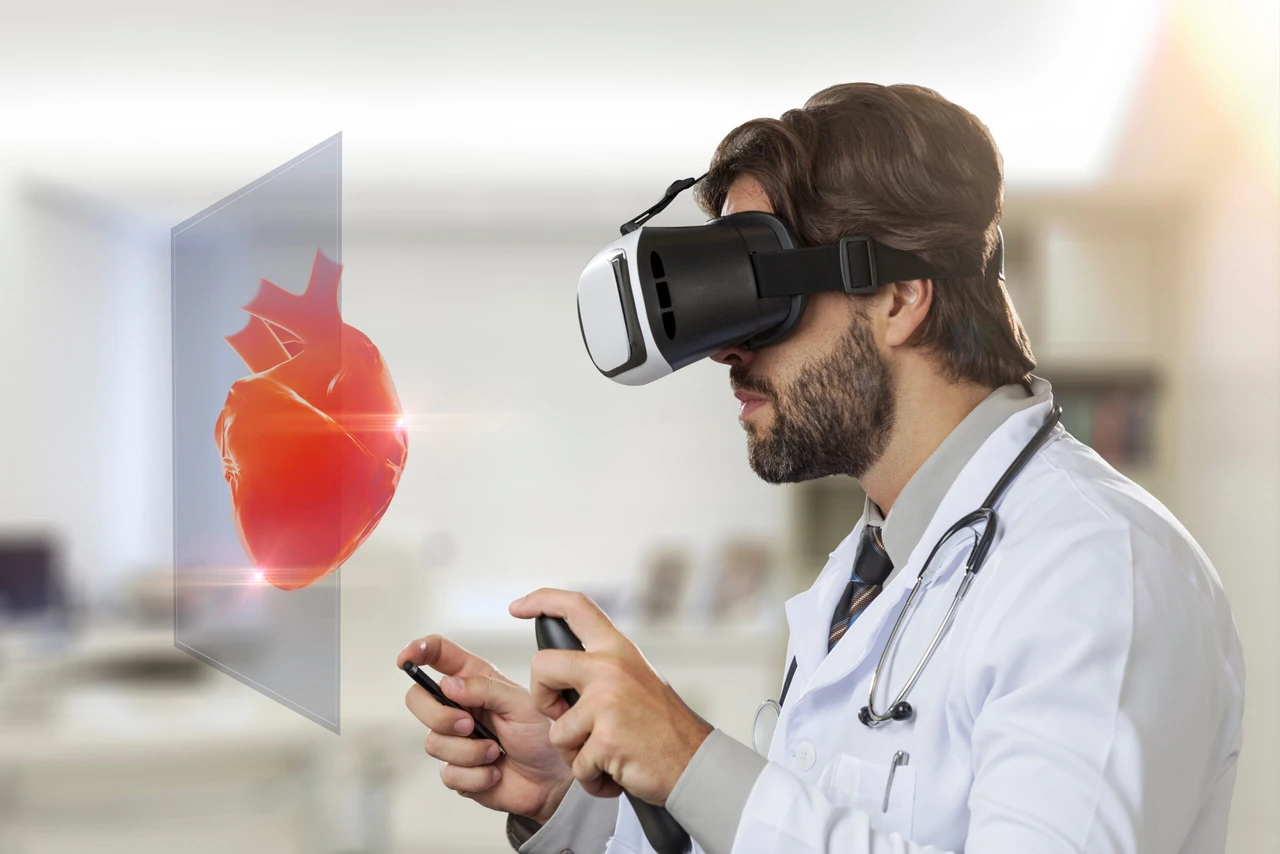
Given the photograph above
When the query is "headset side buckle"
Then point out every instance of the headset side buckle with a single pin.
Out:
(872, 282)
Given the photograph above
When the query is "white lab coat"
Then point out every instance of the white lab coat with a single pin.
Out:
(1088, 696)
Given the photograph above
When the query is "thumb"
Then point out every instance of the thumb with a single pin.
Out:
(485, 692)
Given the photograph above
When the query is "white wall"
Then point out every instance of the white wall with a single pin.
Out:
(85, 350)
(542, 471)
(1231, 453)
(539, 470)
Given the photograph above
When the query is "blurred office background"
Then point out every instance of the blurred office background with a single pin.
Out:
(490, 150)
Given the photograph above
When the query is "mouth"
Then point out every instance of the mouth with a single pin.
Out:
(748, 403)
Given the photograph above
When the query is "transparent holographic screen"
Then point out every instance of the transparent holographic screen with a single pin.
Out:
(284, 644)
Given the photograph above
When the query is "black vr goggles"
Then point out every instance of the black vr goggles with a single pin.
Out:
(657, 299)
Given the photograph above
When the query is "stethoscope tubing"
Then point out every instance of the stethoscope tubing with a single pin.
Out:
(977, 558)
(899, 709)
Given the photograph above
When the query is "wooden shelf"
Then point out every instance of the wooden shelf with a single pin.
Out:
(823, 512)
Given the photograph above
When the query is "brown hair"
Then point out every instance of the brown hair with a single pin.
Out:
(906, 166)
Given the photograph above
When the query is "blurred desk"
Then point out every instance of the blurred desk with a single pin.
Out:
(191, 763)
(205, 764)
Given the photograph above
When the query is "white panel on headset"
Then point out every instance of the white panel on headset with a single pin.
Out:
(604, 326)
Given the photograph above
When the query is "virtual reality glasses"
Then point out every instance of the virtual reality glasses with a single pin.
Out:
(657, 299)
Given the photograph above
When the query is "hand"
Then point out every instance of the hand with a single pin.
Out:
(629, 729)
(531, 779)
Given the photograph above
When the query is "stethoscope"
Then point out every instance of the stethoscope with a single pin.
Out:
(768, 713)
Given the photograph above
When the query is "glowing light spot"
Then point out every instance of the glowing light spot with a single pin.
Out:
(400, 423)
(259, 577)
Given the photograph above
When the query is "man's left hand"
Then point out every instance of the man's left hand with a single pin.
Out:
(629, 729)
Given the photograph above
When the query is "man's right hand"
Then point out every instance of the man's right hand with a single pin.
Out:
(531, 779)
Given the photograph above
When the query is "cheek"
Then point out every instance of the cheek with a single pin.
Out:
(825, 322)
(826, 318)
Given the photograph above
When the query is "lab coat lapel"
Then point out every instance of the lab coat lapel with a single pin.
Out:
(862, 636)
(809, 613)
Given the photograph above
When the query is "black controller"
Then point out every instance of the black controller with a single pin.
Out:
(663, 832)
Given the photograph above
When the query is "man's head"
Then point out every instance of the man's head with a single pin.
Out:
(905, 166)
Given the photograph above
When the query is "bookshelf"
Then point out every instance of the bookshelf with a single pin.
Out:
(1112, 411)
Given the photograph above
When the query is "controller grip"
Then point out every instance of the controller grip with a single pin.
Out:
(663, 832)
(554, 633)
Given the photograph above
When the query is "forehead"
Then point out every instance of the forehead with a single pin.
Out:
(745, 194)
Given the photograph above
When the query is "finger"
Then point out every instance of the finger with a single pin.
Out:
(435, 715)
(553, 670)
(456, 750)
(588, 769)
(588, 622)
(486, 692)
(608, 788)
(470, 780)
(442, 654)
(572, 729)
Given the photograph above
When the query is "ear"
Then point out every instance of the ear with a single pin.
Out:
(908, 305)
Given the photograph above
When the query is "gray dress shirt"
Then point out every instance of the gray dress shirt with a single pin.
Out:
(710, 795)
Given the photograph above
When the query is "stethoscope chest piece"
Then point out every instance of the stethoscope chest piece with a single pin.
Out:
(902, 711)
(764, 726)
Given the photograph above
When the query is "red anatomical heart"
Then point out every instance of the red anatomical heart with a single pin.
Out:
(313, 441)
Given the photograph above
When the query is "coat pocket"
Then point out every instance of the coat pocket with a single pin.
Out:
(867, 786)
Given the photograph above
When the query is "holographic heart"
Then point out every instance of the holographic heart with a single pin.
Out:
(313, 441)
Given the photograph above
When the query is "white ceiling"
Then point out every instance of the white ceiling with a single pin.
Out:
(135, 96)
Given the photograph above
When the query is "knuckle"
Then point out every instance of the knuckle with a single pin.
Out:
(608, 698)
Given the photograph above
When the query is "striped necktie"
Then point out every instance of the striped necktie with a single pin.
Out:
(871, 566)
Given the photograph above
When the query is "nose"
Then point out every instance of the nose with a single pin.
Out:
(735, 355)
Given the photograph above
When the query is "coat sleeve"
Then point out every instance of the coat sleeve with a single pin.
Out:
(581, 823)
(1105, 698)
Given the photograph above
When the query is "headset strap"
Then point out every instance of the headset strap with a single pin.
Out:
(676, 188)
(855, 265)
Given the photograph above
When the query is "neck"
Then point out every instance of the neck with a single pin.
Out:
(927, 408)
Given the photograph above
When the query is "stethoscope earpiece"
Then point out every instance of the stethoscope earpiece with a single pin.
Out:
(903, 711)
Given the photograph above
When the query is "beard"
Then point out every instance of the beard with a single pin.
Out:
(835, 418)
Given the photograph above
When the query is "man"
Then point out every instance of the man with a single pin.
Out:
(1088, 693)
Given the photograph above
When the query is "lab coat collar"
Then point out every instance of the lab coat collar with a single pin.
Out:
(984, 468)
(919, 500)
(809, 613)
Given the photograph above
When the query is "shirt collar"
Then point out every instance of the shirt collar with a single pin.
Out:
(911, 514)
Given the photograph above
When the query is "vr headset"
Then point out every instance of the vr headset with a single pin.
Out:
(658, 299)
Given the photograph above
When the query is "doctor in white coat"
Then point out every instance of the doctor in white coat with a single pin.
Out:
(1088, 692)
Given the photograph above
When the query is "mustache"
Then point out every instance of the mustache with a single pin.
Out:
(741, 380)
